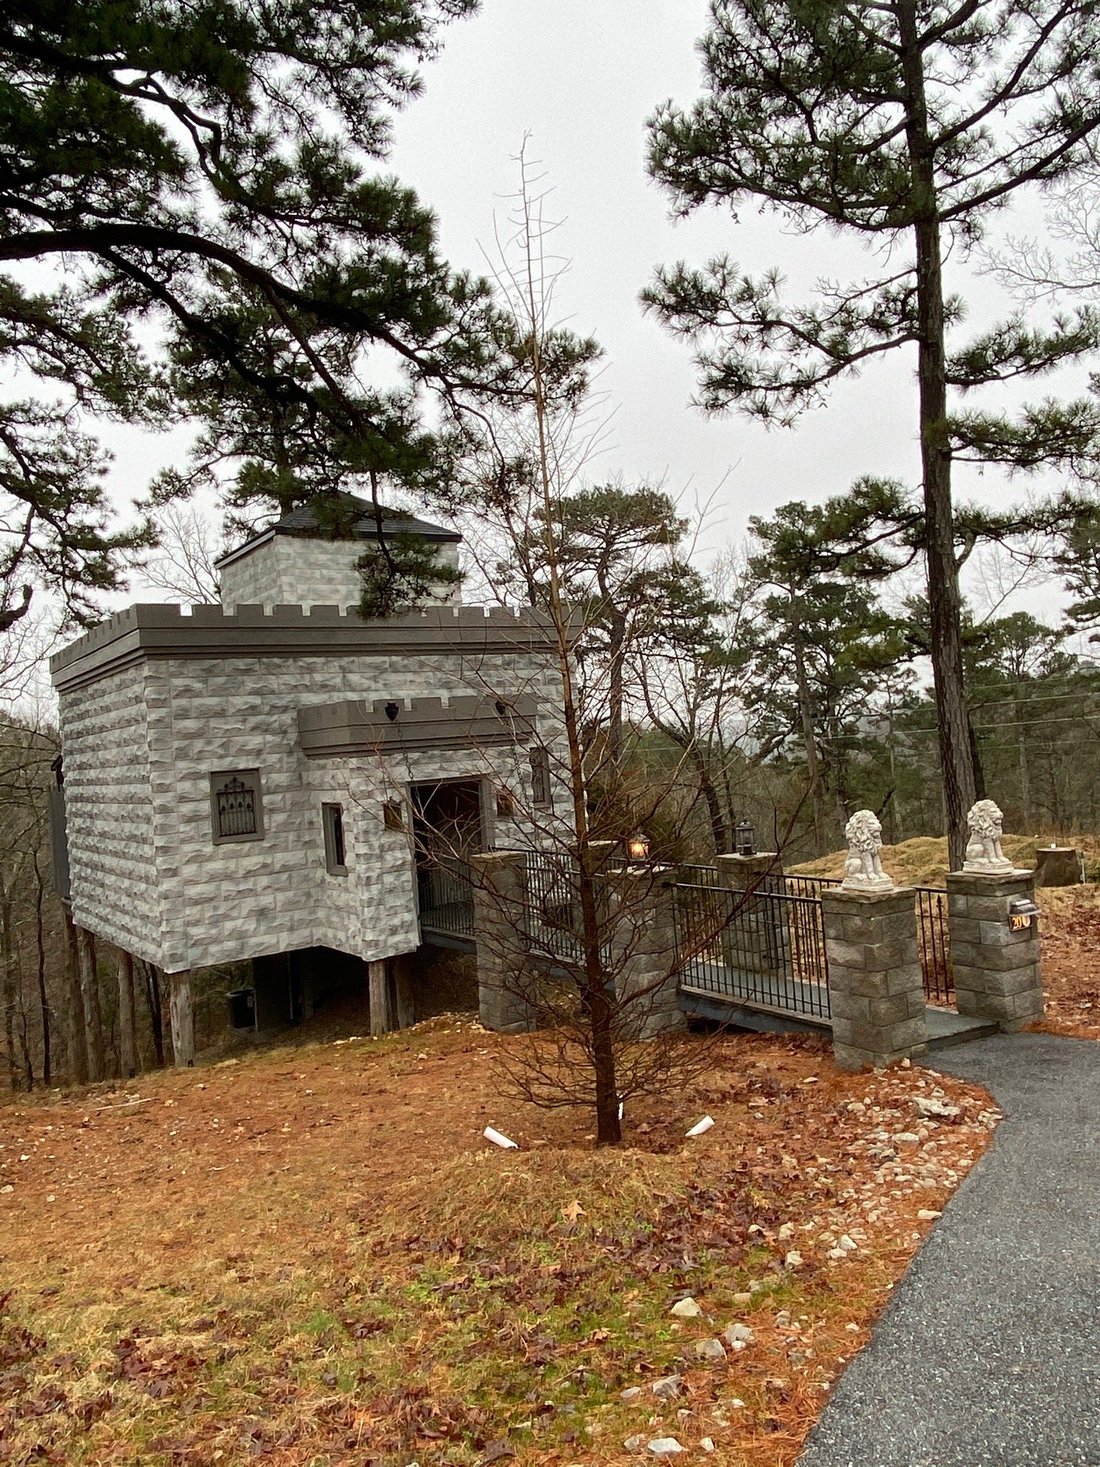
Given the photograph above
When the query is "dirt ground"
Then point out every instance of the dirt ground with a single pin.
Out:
(1070, 936)
(312, 1257)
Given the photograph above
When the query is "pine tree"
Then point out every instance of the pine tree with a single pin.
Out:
(896, 121)
(202, 182)
(821, 642)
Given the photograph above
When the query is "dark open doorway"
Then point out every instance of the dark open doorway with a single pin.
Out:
(447, 831)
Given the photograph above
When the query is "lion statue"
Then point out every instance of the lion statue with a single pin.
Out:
(863, 868)
(983, 850)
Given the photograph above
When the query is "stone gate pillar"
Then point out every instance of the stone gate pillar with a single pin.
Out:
(992, 920)
(756, 939)
(643, 952)
(505, 982)
(876, 991)
(995, 966)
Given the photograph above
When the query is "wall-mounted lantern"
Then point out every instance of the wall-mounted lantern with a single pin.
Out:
(637, 847)
(746, 838)
(391, 711)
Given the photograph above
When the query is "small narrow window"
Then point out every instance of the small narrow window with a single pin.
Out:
(236, 806)
(393, 815)
(332, 817)
(540, 776)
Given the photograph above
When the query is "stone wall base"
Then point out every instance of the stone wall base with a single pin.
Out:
(876, 989)
(996, 969)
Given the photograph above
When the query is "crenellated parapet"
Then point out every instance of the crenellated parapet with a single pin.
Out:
(170, 631)
(385, 726)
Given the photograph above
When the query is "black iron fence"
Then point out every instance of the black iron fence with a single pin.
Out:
(553, 902)
(804, 931)
(445, 891)
(762, 948)
(785, 883)
(697, 875)
(934, 944)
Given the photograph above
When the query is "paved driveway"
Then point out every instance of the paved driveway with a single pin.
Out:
(989, 1352)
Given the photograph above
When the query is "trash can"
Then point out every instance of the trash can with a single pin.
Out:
(242, 1008)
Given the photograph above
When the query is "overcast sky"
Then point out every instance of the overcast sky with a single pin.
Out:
(581, 78)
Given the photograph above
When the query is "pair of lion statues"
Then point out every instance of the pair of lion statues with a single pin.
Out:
(863, 832)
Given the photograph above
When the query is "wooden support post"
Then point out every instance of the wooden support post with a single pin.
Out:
(89, 994)
(127, 1017)
(379, 998)
(406, 996)
(75, 1043)
(182, 1017)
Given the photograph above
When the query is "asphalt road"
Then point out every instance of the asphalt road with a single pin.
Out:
(989, 1352)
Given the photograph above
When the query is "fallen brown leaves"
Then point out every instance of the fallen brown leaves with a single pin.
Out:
(1070, 935)
(313, 1257)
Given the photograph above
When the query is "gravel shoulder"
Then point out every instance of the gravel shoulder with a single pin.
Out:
(989, 1352)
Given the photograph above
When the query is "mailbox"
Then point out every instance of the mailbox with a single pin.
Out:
(1021, 913)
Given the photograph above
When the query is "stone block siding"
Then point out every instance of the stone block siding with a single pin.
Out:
(996, 970)
(371, 911)
(876, 990)
(140, 745)
(110, 810)
(297, 571)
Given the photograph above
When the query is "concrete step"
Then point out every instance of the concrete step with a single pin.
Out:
(946, 1027)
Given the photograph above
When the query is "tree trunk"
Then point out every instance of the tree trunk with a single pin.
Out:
(156, 1012)
(1021, 765)
(616, 652)
(976, 760)
(720, 833)
(944, 601)
(598, 1007)
(809, 739)
(890, 805)
(8, 985)
(40, 954)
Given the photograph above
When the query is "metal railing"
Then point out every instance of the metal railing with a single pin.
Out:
(805, 944)
(553, 900)
(759, 948)
(697, 875)
(935, 947)
(446, 894)
(789, 883)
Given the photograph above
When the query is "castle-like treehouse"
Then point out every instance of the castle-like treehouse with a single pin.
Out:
(275, 779)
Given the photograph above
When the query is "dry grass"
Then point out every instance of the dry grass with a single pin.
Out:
(923, 860)
(1070, 927)
(312, 1256)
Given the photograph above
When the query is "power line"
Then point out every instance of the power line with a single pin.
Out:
(902, 733)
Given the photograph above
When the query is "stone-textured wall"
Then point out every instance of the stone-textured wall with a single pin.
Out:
(996, 969)
(876, 991)
(140, 745)
(110, 806)
(297, 571)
